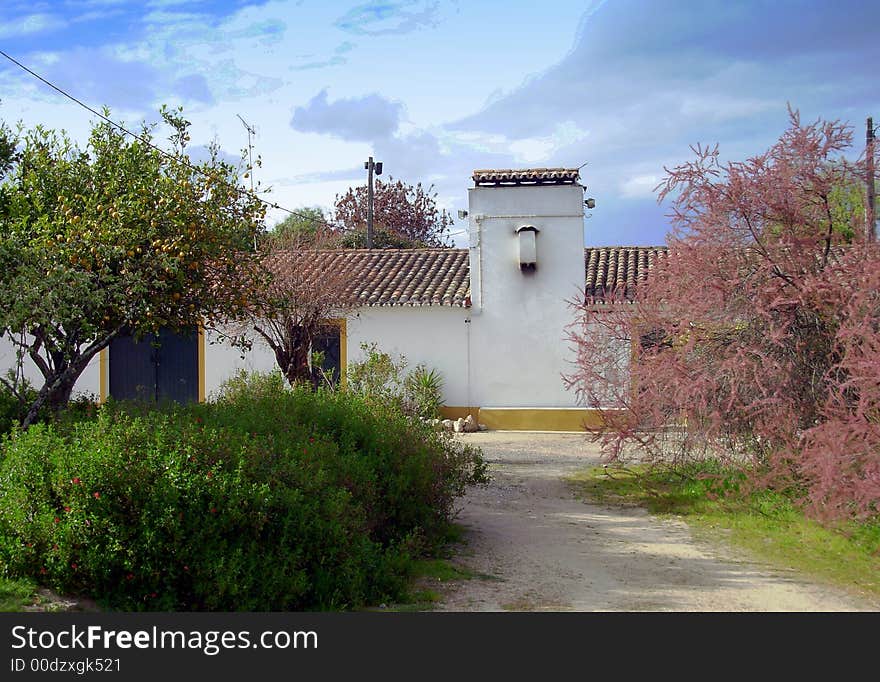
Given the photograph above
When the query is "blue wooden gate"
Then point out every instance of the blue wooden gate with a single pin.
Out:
(156, 368)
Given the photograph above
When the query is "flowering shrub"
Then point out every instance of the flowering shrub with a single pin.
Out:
(273, 500)
(757, 338)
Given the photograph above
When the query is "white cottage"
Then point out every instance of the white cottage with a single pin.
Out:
(491, 318)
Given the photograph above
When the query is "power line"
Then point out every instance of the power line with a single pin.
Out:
(150, 144)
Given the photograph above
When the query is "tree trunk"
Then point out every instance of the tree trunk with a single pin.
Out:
(57, 400)
(56, 391)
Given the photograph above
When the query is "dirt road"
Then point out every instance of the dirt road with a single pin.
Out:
(536, 547)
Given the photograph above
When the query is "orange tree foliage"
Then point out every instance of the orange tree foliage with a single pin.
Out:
(757, 339)
(114, 237)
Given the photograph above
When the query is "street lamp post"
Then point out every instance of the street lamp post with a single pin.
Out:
(370, 166)
(870, 224)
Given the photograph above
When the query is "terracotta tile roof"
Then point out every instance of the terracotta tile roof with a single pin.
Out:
(440, 277)
(392, 277)
(614, 272)
(526, 176)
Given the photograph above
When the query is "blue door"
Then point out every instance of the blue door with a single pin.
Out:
(328, 342)
(156, 368)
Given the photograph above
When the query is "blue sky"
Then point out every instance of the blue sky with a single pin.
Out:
(437, 88)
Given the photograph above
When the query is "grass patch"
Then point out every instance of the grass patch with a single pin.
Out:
(441, 571)
(15, 595)
(429, 575)
(766, 523)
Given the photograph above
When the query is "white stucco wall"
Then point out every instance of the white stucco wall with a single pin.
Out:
(89, 382)
(222, 360)
(436, 336)
(519, 317)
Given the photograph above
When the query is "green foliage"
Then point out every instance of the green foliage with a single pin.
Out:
(847, 208)
(116, 235)
(268, 499)
(423, 392)
(380, 378)
(16, 594)
(244, 385)
(303, 228)
(12, 408)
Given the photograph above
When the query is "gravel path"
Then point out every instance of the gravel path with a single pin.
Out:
(536, 547)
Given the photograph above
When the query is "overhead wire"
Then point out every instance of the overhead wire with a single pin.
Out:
(145, 141)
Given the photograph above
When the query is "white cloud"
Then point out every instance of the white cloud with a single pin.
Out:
(32, 24)
(639, 186)
(366, 118)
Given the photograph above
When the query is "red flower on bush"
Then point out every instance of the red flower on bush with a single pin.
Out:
(43, 571)
(67, 509)
(97, 496)
(56, 520)
(213, 510)
(73, 566)
(75, 480)
(130, 576)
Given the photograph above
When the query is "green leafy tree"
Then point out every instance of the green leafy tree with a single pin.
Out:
(306, 226)
(115, 237)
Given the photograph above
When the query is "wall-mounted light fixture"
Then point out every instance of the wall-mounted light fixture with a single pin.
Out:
(528, 247)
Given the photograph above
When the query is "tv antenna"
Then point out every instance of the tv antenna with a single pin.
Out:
(250, 132)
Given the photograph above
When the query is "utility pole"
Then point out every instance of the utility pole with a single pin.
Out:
(370, 166)
(870, 224)
(250, 131)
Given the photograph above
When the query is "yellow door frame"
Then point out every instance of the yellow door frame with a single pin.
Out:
(104, 369)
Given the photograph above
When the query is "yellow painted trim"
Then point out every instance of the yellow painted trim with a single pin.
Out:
(103, 374)
(538, 419)
(201, 363)
(456, 412)
(342, 323)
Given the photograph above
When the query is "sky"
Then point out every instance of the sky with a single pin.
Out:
(435, 89)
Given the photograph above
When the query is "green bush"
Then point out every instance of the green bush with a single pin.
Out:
(423, 392)
(11, 408)
(269, 499)
(380, 378)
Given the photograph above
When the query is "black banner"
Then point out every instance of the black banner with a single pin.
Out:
(171, 646)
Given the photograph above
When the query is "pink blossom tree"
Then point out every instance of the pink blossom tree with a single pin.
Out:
(756, 339)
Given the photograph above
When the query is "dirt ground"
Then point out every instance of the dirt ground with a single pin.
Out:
(535, 546)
